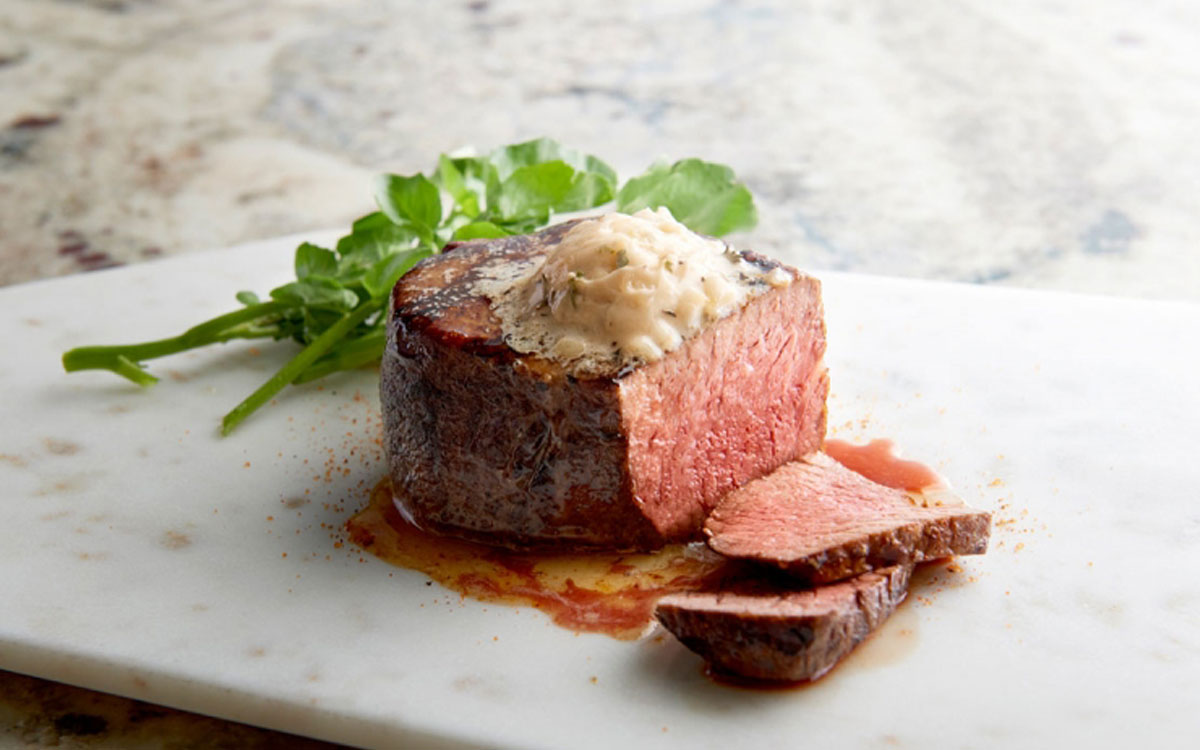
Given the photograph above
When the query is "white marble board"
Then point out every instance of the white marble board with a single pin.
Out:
(143, 555)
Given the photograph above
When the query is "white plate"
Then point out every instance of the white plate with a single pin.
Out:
(137, 554)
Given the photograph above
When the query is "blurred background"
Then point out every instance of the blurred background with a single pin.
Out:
(1033, 142)
(1041, 143)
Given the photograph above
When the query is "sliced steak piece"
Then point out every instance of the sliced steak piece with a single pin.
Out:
(822, 522)
(774, 634)
(487, 443)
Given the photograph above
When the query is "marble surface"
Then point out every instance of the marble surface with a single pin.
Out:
(1046, 144)
(153, 559)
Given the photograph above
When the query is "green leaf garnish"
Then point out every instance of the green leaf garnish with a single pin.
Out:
(316, 293)
(314, 261)
(412, 201)
(448, 177)
(532, 192)
(336, 307)
(379, 280)
(508, 159)
(480, 230)
(247, 298)
(704, 196)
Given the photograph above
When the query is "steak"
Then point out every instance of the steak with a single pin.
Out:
(822, 522)
(489, 443)
(769, 633)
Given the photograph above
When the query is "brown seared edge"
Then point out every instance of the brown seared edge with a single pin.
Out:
(821, 522)
(771, 633)
(490, 444)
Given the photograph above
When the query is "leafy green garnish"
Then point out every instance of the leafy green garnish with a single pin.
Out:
(337, 306)
(704, 196)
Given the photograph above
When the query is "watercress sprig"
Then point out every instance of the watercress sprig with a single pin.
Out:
(337, 306)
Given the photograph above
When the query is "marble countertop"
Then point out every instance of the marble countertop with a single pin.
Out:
(1041, 144)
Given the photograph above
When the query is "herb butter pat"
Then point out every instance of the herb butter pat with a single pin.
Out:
(625, 289)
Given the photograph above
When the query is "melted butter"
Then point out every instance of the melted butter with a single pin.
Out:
(625, 289)
(610, 593)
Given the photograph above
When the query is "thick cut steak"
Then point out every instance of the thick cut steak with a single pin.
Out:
(488, 443)
(822, 522)
(777, 634)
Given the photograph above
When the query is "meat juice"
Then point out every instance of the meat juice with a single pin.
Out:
(597, 592)
(877, 461)
(601, 592)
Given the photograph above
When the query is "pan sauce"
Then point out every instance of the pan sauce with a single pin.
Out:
(598, 592)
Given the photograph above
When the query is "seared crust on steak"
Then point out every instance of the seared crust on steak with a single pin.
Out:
(488, 443)
(770, 633)
(439, 298)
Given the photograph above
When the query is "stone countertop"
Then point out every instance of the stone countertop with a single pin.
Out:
(1020, 143)
(1026, 143)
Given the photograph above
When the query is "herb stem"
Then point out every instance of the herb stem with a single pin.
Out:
(124, 359)
(298, 364)
(365, 350)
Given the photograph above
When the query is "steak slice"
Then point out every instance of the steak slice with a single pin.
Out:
(769, 633)
(488, 443)
(822, 522)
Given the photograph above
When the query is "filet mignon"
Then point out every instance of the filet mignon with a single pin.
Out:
(488, 443)
(770, 633)
(822, 522)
